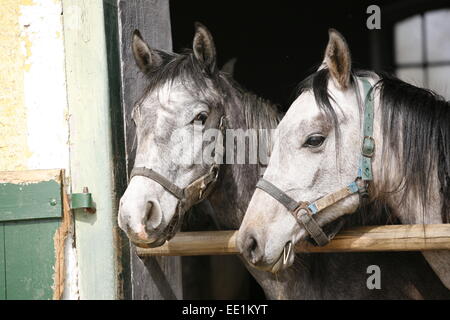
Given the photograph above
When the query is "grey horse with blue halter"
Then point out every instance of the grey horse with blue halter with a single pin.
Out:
(303, 211)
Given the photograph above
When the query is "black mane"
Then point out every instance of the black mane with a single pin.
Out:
(417, 124)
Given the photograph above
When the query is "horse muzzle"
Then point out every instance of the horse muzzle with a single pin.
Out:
(143, 221)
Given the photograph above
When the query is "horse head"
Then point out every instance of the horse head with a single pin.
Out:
(182, 100)
(316, 152)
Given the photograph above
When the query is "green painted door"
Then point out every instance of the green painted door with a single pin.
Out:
(30, 215)
(2, 263)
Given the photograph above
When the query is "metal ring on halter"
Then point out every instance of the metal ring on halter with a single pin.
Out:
(286, 255)
(363, 189)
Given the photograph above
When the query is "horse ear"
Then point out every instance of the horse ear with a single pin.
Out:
(203, 46)
(228, 67)
(146, 58)
(338, 59)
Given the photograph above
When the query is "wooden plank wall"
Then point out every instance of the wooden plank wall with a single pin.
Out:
(153, 277)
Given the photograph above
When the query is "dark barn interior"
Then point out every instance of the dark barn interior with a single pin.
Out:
(277, 44)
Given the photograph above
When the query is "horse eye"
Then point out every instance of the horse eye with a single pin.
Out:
(314, 141)
(202, 116)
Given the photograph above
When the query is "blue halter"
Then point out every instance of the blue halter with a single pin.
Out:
(303, 211)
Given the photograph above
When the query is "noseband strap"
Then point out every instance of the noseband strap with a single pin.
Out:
(303, 211)
(299, 210)
(155, 176)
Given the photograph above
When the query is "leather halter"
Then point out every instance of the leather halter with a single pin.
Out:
(196, 191)
(303, 211)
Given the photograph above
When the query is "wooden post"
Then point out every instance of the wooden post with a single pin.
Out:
(152, 278)
(361, 239)
(91, 146)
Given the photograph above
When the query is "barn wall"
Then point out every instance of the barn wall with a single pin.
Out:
(32, 78)
(34, 129)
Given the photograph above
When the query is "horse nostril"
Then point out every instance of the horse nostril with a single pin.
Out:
(252, 250)
(153, 216)
(252, 244)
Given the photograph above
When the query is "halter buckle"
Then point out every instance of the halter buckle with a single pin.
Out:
(368, 147)
(362, 188)
(302, 205)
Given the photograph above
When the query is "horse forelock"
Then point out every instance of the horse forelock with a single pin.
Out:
(186, 72)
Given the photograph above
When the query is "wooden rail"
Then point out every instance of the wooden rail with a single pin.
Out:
(361, 239)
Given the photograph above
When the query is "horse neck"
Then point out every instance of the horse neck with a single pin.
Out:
(245, 110)
(406, 204)
(237, 181)
(389, 186)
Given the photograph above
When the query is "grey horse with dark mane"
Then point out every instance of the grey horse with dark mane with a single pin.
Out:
(354, 140)
(187, 92)
(184, 88)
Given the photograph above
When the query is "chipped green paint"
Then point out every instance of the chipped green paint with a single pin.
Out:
(30, 215)
(29, 259)
(30, 201)
(2, 263)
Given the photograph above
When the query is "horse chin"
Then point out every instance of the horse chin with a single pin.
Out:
(162, 236)
(285, 260)
(278, 265)
(154, 244)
